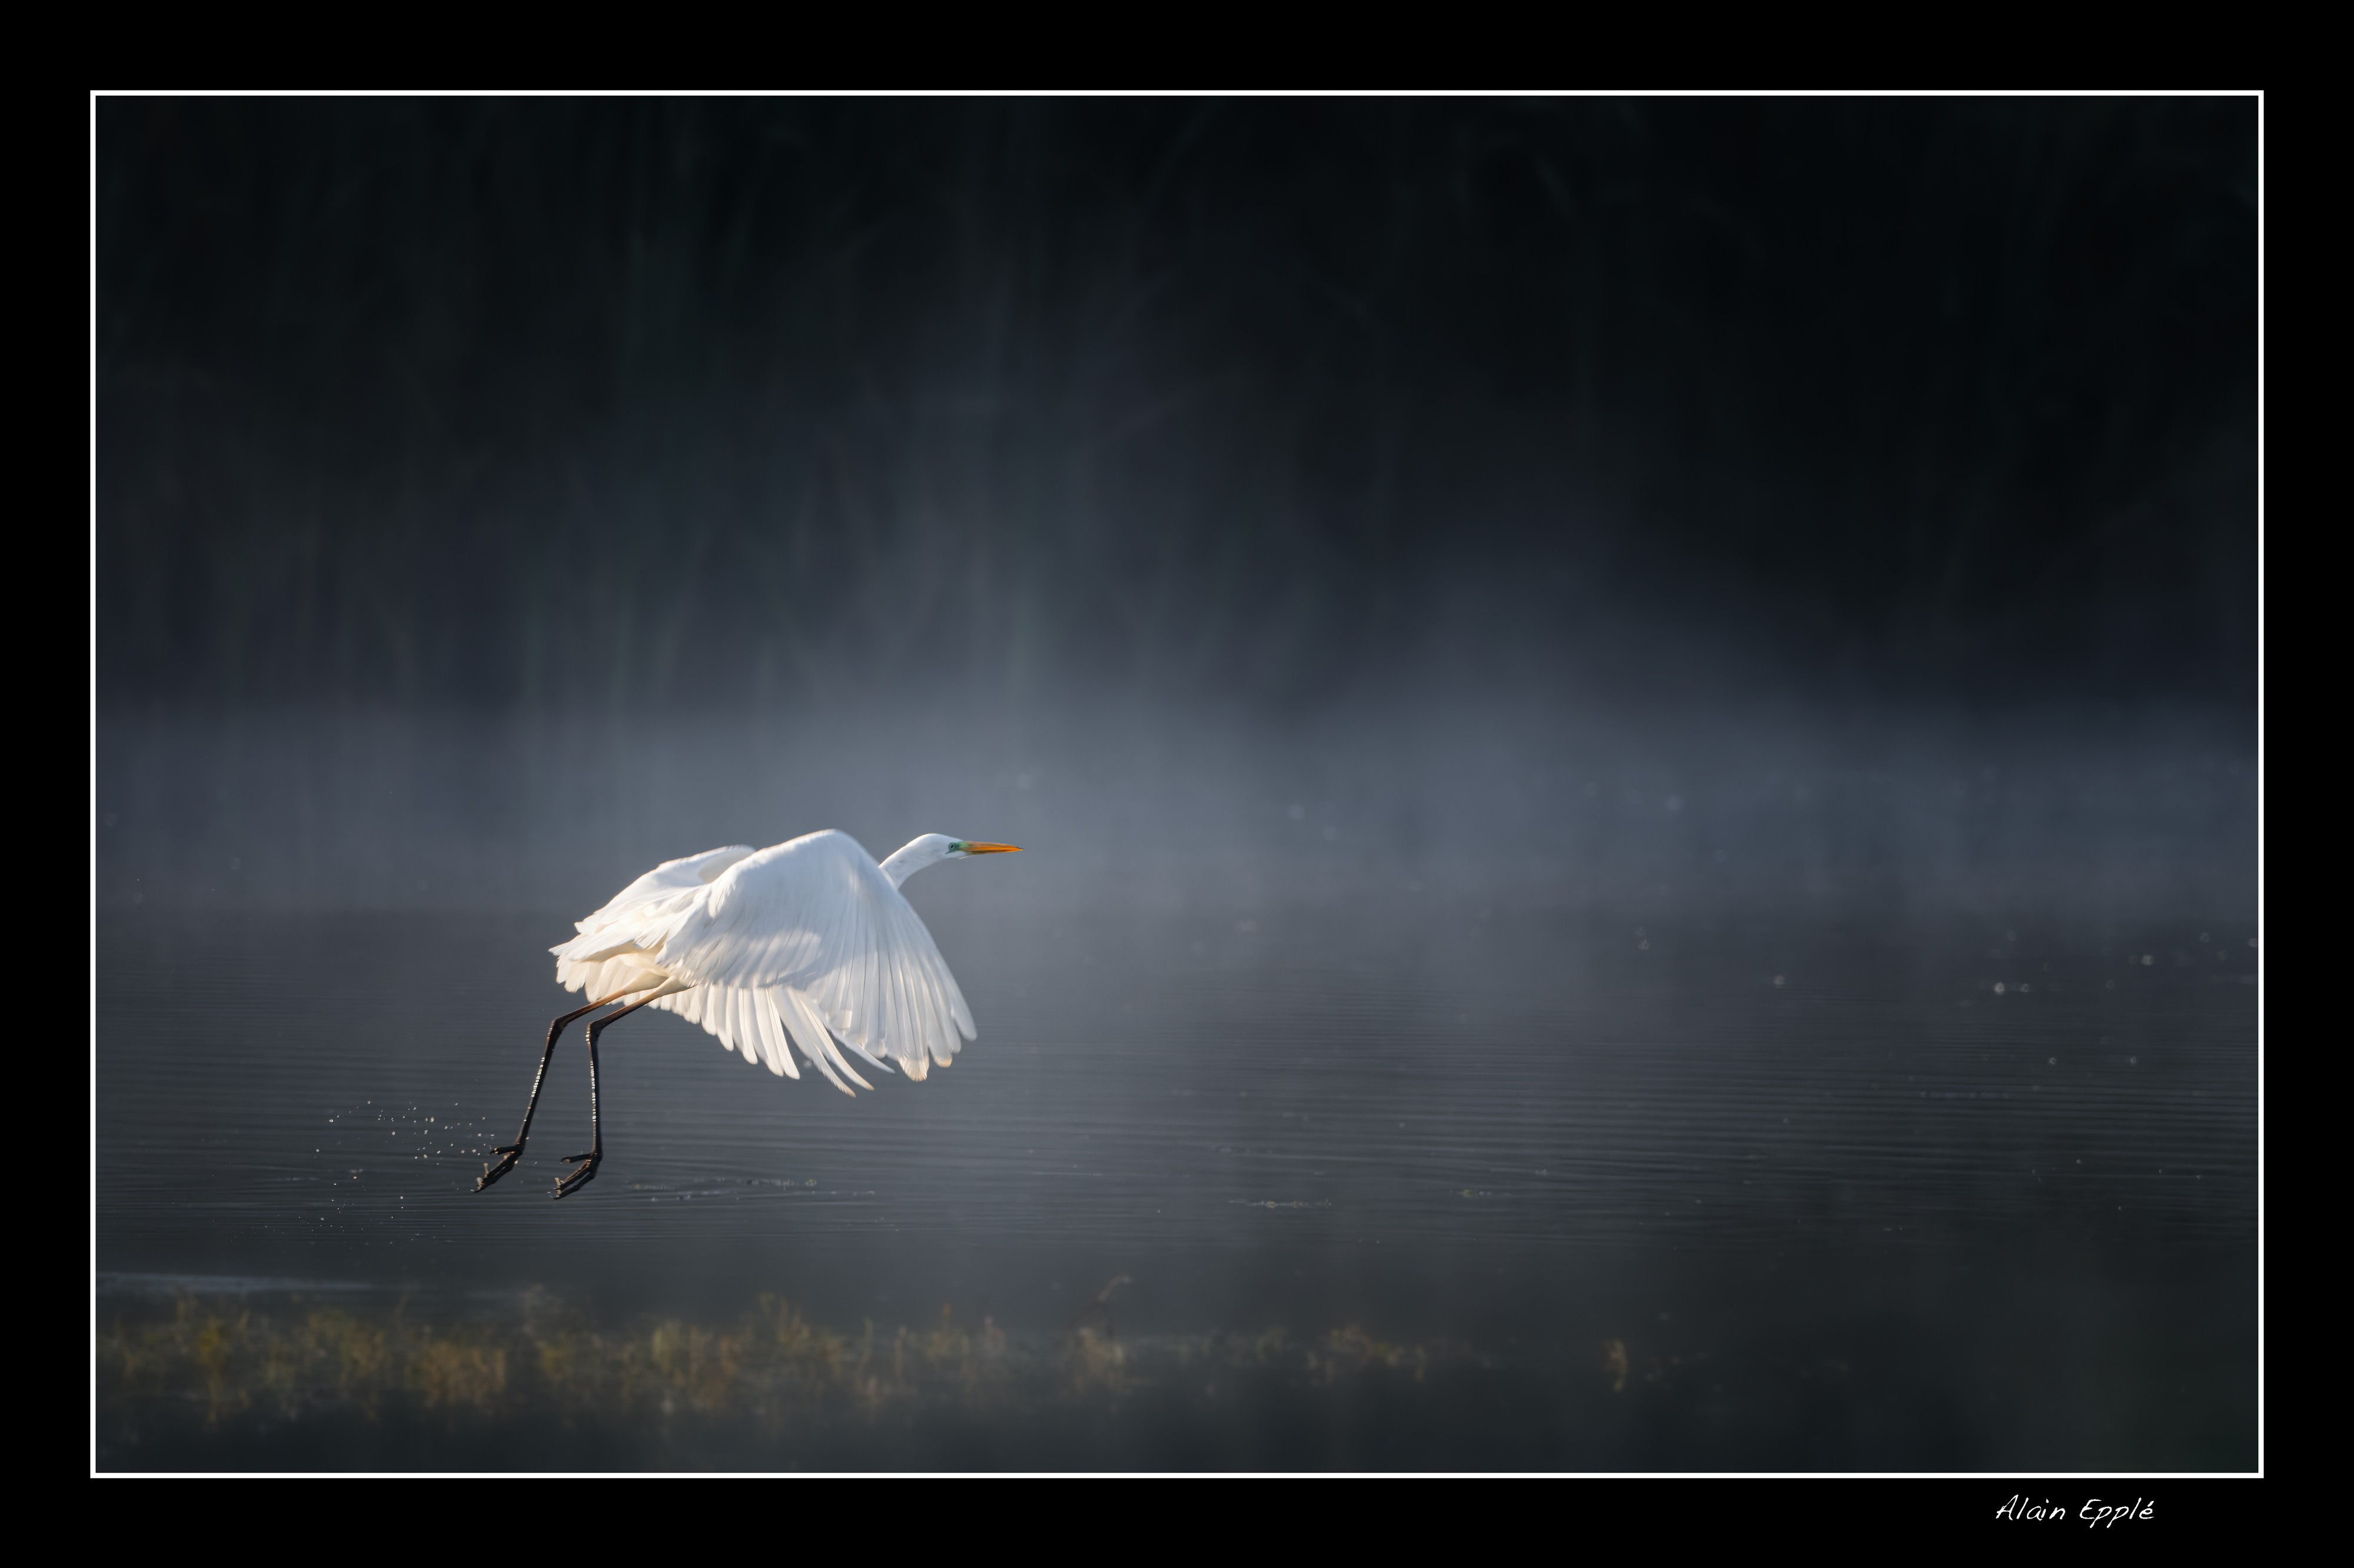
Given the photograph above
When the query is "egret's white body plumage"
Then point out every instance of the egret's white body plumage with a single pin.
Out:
(806, 944)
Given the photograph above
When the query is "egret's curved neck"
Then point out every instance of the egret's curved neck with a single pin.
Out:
(929, 850)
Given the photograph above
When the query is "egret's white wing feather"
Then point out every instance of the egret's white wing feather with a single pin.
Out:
(810, 1031)
(809, 1035)
(785, 1037)
(736, 1014)
(772, 1036)
(842, 1063)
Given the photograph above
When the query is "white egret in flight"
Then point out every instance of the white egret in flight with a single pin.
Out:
(804, 944)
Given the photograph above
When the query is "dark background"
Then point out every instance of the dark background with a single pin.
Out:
(605, 407)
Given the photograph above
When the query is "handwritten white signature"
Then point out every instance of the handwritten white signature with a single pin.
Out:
(2096, 1514)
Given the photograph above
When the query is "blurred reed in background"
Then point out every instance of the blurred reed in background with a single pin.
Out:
(611, 405)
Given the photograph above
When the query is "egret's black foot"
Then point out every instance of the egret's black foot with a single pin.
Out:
(506, 1163)
(567, 1185)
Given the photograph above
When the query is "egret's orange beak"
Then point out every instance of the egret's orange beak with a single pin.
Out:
(974, 846)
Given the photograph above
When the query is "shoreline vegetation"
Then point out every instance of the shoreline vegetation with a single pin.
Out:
(316, 1382)
(212, 1373)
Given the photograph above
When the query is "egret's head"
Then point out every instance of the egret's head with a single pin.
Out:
(934, 848)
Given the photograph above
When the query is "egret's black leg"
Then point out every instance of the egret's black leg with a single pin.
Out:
(510, 1153)
(588, 1162)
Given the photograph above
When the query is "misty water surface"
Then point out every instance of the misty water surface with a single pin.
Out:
(1673, 1113)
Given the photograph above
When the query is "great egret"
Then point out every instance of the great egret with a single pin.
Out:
(806, 943)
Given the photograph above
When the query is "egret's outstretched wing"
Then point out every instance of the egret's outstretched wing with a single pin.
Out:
(790, 945)
(817, 919)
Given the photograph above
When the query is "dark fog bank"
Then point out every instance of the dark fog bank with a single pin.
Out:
(1278, 410)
